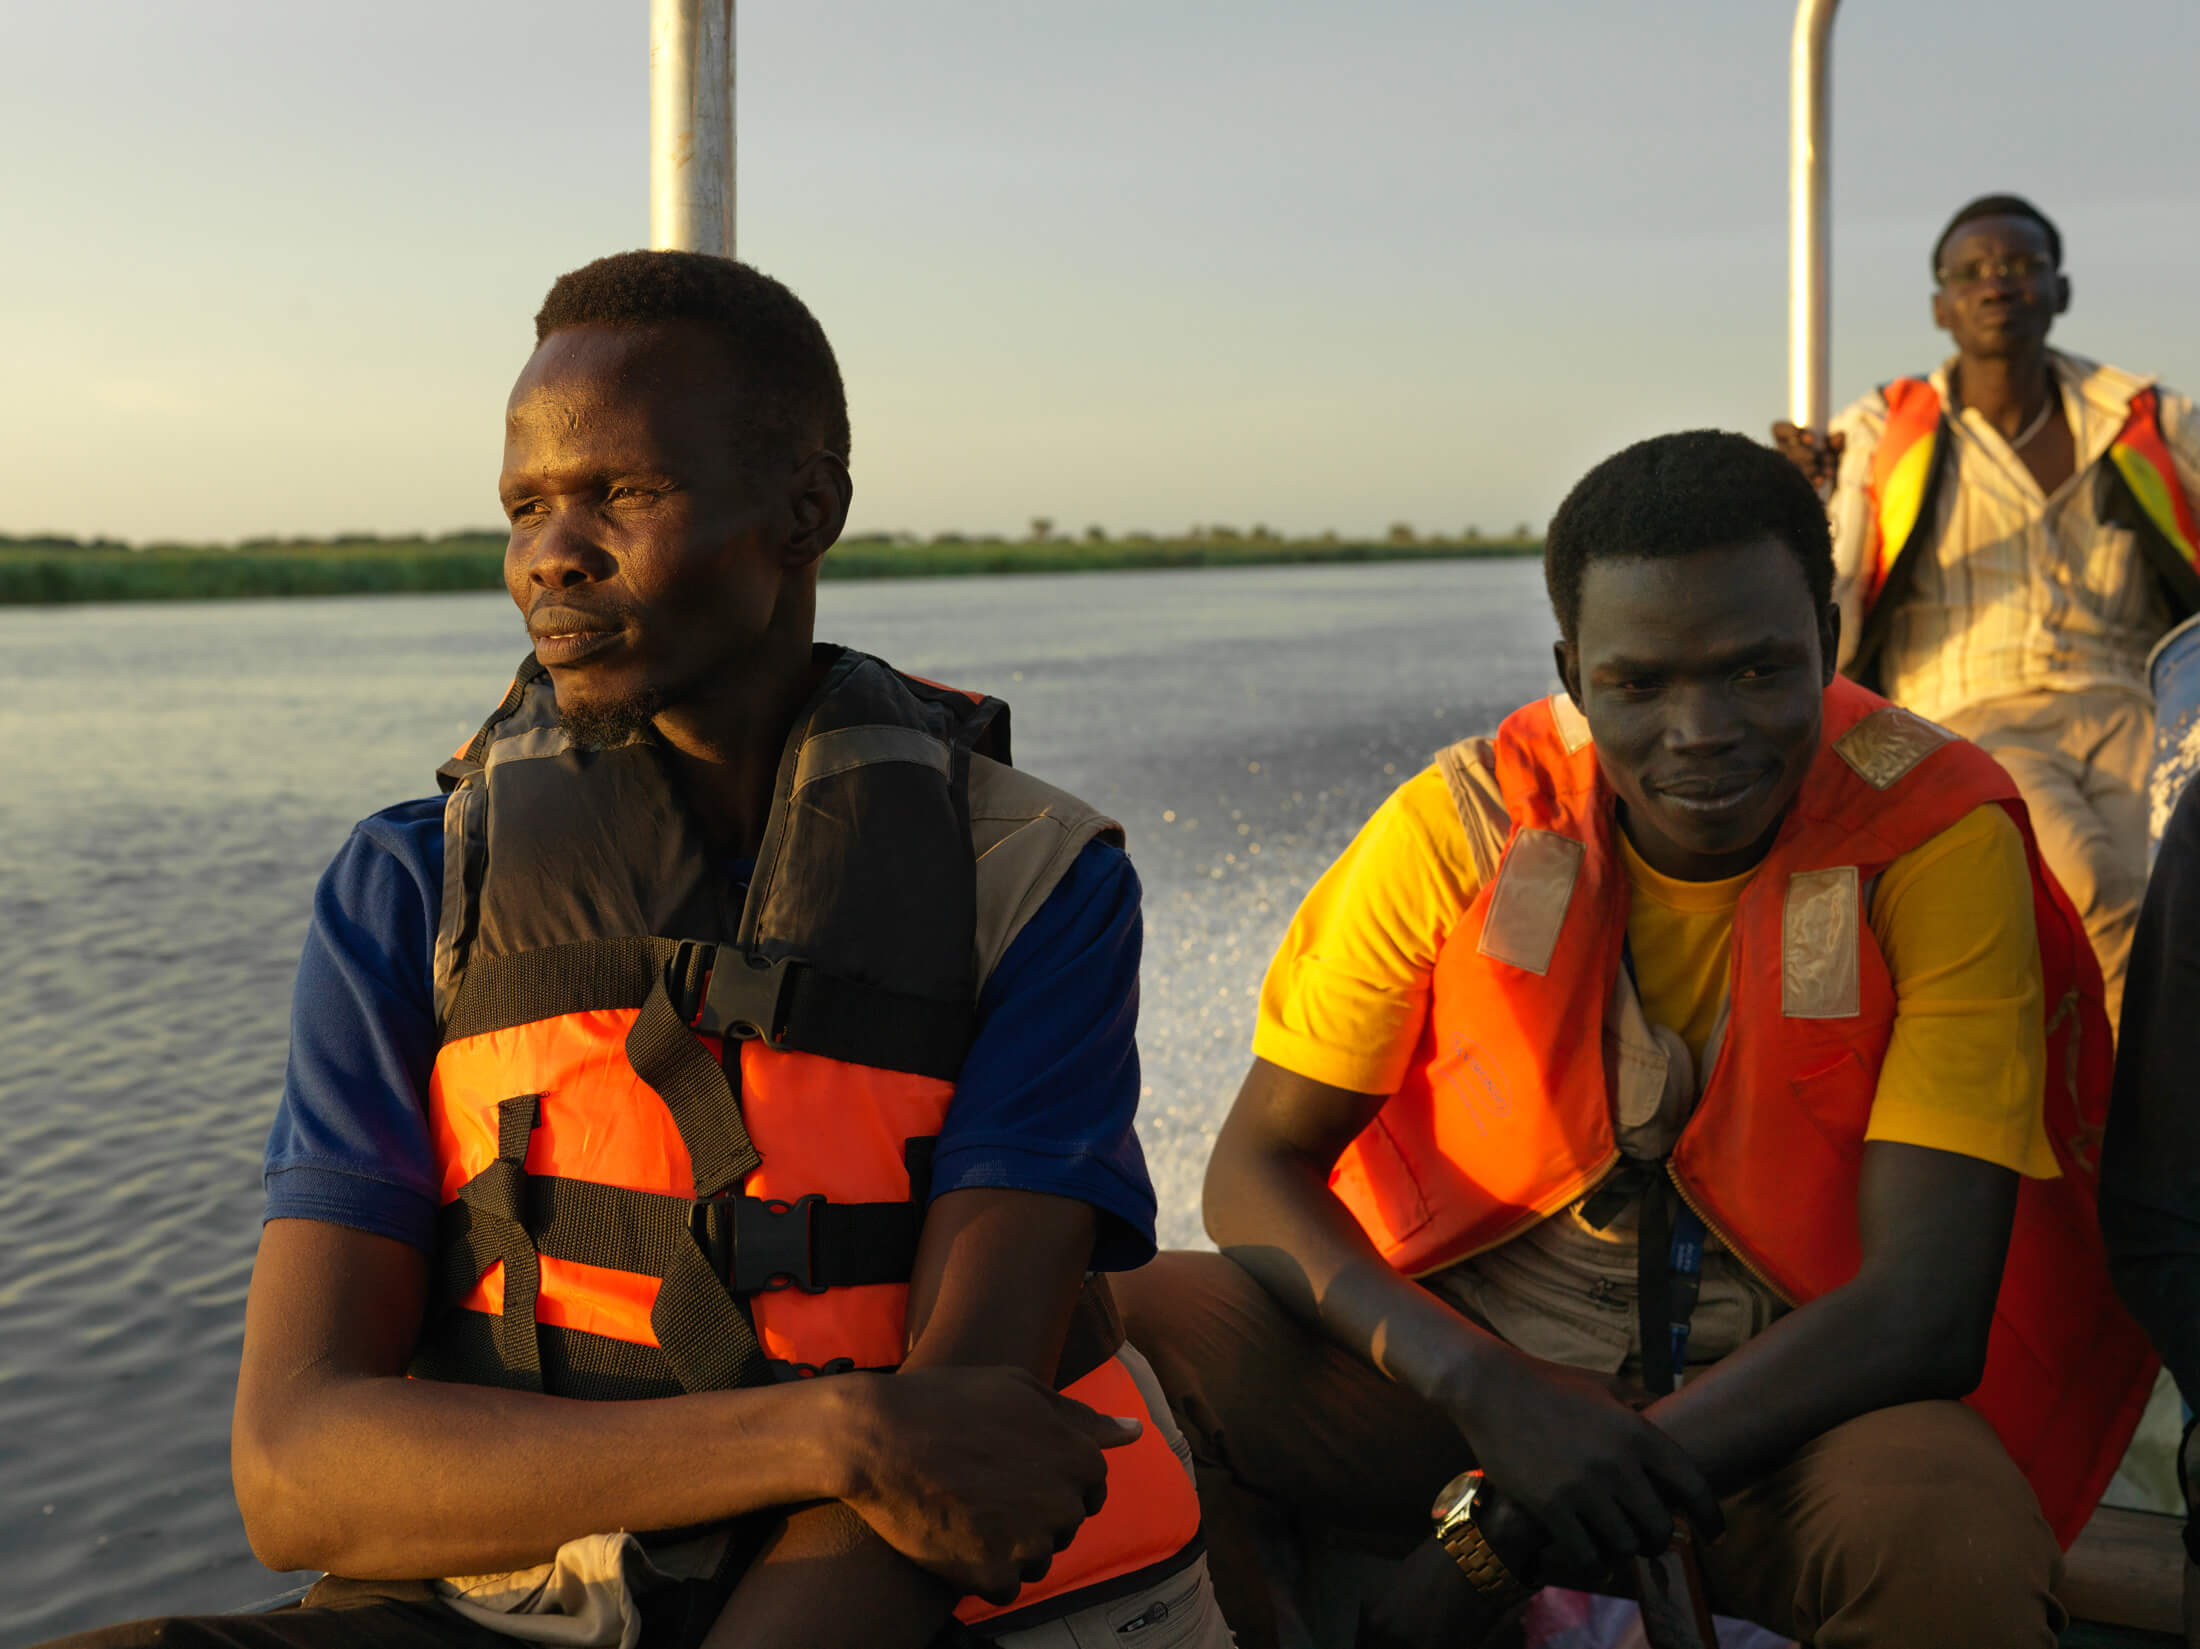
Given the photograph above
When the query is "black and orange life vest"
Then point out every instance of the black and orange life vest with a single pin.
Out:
(683, 1132)
(1506, 1115)
(1909, 468)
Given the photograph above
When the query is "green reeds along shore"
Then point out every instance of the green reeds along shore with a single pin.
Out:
(49, 571)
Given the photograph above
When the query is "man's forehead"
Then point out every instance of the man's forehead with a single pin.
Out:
(602, 363)
(2010, 229)
(1719, 595)
(668, 377)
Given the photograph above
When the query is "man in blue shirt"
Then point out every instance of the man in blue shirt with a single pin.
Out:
(675, 467)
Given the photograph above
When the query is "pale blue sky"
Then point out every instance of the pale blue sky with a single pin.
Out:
(269, 263)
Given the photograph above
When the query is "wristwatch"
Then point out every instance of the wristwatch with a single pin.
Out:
(1456, 1533)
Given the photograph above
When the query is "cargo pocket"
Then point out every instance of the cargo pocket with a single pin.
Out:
(1179, 1613)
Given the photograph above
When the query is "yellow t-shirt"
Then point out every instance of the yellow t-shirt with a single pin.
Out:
(1346, 996)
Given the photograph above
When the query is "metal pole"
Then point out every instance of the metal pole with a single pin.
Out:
(691, 125)
(1810, 174)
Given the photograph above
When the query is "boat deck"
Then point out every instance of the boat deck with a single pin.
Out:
(2123, 1582)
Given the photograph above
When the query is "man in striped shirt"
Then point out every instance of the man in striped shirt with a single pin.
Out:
(2035, 579)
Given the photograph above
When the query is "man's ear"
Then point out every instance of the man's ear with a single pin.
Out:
(1941, 317)
(2062, 294)
(1568, 660)
(818, 495)
(1829, 642)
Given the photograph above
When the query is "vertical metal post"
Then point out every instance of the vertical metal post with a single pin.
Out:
(691, 125)
(1810, 173)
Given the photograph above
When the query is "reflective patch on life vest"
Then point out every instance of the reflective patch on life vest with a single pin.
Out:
(1885, 745)
(1573, 726)
(1821, 939)
(1534, 886)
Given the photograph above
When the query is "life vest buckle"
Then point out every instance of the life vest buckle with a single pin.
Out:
(746, 998)
(760, 1245)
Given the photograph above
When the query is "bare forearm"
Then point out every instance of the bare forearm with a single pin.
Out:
(384, 1477)
(1275, 1215)
(1846, 1353)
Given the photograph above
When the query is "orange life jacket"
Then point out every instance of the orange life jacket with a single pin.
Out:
(684, 1136)
(1506, 1114)
(1908, 470)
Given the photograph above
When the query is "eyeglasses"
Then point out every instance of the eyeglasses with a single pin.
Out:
(2025, 266)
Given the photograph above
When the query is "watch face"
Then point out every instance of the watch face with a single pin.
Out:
(1456, 1497)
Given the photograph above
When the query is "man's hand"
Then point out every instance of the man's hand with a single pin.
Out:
(1817, 456)
(978, 1475)
(976, 1470)
(1597, 1478)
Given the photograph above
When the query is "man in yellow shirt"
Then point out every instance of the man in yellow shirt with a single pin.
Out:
(1529, 1031)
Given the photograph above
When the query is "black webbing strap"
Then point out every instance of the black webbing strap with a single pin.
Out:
(756, 1244)
(705, 1332)
(585, 976)
(1669, 1276)
(789, 1004)
(916, 1161)
(1654, 1287)
(697, 1089)
(785, 1003)
(464, 1346)
(488, 1223)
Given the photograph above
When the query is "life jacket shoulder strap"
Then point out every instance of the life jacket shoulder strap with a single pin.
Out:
(1470, 774)
(1024, 836)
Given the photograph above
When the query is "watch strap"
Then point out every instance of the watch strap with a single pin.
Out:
(1479, 1562)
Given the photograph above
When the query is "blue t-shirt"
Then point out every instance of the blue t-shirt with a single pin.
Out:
(1045, 1102)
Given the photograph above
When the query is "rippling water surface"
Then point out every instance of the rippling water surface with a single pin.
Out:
(176, 777)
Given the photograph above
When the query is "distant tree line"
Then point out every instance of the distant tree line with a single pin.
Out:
(1042, 531)
(48, 568)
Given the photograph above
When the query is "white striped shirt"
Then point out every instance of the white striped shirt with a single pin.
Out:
(2015, 590)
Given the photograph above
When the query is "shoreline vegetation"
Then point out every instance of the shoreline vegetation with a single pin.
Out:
(50, 570)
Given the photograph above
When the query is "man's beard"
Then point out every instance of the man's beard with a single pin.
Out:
(607, 725)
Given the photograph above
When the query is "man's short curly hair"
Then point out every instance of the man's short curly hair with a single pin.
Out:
(789, 385)
(1704, 489)
(1998, 206)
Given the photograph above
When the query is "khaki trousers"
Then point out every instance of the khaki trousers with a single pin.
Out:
(2080, 762)
(1906, 1527)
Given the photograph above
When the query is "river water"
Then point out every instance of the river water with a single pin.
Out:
(176, 777)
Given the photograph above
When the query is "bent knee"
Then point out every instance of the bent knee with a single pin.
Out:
(1930, 1534)
(1188, 1310)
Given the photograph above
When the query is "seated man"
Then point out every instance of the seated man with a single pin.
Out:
(1693, 1024)
(738, 1015)
(2150, 1159)
(2012, 533)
